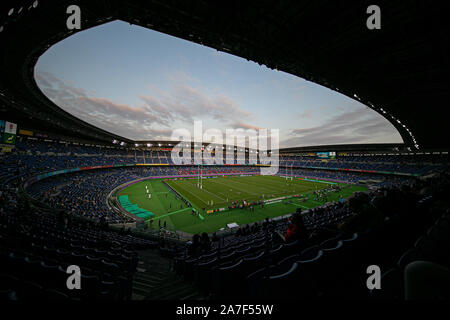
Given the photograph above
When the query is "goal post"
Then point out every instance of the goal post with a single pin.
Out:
(199, 176)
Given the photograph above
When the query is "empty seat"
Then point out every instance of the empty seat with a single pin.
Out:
(309, 272)
(204, 274)
(110, 268)
(285, 264)
(275, 254)
(224, 280)
(107, 290)
(90, 286)
(327, 244)
(55, 295)
(256, 283)
(47, 271)
(392, 287)
(252, 263)
(29, 291)
(284, 286)
(309, 253)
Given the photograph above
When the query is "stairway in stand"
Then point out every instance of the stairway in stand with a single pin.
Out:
(154, 280)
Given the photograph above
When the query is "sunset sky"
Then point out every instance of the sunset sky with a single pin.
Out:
(142, 84)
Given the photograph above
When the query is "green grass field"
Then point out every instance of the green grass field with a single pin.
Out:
(220, 192)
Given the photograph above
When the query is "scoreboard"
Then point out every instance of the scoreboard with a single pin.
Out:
(326, 155)
(8, 132)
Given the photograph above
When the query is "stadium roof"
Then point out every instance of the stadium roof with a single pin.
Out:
(401, 70)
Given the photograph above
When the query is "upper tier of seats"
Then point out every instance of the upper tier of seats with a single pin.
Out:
(72, 155)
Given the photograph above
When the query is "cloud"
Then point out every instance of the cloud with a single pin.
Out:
(188, 103)
(361, 125)
(245, 126)
(307, 114)
(160, 111)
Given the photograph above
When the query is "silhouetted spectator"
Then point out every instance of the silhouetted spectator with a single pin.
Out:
(266, 224)
(427, 281)
(195, 246)
(205, 242)
(364, 214)
(296, 230)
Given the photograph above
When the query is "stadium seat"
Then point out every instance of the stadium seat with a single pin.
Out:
(90, 285)
(227, 258)
(241, 253)
(55, 295)
(310, 272)
(256, 282)
(252, 263)
(47, 271)
(284, 286)
(227, 281)
(309, 253)
(29, 291)
(285, 264)
(204, 272)
(189, 266)
(107, 290)
(328, 244)
(276, 253)
(409, 256)
(392, 287)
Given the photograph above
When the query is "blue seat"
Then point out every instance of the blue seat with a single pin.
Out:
(204, 274)
(256, 282)
(259, 246)
(228, 258)
(291, 248)
(252, 263)
(284, 286)
(309, 272)
(335, 262)
(93, 262)
(327, 244)
(110, 268)
(189, 266)
(276, 253)
(242, 252)
(285, 264)
(224, 280)
(107, 290)
(309, 253)
(353, 237)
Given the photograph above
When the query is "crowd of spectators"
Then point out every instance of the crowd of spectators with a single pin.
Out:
(84, 193)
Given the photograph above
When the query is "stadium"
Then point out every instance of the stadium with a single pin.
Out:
(99, 187)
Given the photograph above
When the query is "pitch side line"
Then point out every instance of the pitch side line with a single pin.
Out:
(170, 213)
(190, 194)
